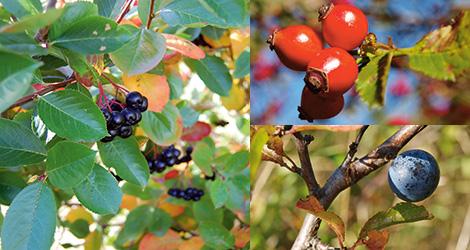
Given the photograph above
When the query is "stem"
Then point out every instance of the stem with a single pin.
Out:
(124, 11)
(49, 88)
(102, 96)
(151, 15)
(115, 85)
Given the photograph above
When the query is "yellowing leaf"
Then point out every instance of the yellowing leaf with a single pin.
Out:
(170, 241)
(192, 244)
(94, 240)
(79, 213)
(376, 240)
(223, 41)
(236, 98)
(129, 202)
(173, 210)
(154, 87)
(183, 46)
(242, 236)
(240, 41)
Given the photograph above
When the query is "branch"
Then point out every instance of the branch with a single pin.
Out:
(151, 14)
(347, 175)
(124, 11)
(49, 88)
(302, 142)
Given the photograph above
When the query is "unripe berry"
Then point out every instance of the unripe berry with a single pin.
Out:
(331, 71)
(344, 25)
(316, 106)
(295, 45)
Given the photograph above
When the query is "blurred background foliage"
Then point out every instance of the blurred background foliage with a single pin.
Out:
(275, 221)
(410, 98)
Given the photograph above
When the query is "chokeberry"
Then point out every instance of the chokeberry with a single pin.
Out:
(134, 100)
(125, 131)
(106, 114)
(132, 116)
(145, 103)
(117, 119)
(116, 106)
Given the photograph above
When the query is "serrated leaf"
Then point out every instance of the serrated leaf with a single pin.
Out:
(443, 54)
(404, 212)
(99, 192)
(93, 35)
(72, 115)
(134, 227)
(372, 80)
(216, 236)
(21, 8)
(203, 156)
(33, 23)
(68, 164)
(162, 221)
(31, 219)
(204, 210)
(141, 54)
(21, 43)
(213, 72)
(73, 12)
(163, 128)
(10, 185)
(184, 47)
(19, 145)
(124, 156)
(236, 163)
(242, 65)
(80, 89)
(313, 206)
(218, 192)
(219, 13)
(109, 8)
(15, 77)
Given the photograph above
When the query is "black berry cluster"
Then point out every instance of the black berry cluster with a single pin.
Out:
(168, 158)
(189, 193)
(121, 117)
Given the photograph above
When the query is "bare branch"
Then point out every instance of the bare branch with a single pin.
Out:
(302, 143)
(353, 146)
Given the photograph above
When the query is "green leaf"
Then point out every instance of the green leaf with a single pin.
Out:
(15, 77)
(203, 156)
(21, 8)
(176, 86)
(10, 185)
(404, 212)
(141, 54)
(372, 80)
(109, 8)
(73, 12)
(236, 163)
(72, 115)
(257, 143)
(162, 221)
(213, 32)
(163, 128)
(143, 10)
(216, 236)
(21, 43)
(31, 219)
(19, 145)
(80, 89)
(213, 72)
(219, 13)
(242, 65)
(124, 156)
(148, 193)
(33, 23)
(218, 193)
(136, 223)
(190, 116)
(69, 163)
(80, 228)
(93, 35)
(236, 199)
(443, 54)
(204, 210)
(99, 192)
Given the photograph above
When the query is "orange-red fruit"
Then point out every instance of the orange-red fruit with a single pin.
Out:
(331, 71)
(344, 26)
(314, 106)
(295, 45)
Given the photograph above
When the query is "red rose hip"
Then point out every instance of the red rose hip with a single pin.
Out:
(344, 25)
(295, 45)
(332, 71)
(314, 106)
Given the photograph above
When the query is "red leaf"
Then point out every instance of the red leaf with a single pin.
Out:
(197, 132)
(183, 46)
(171, 175)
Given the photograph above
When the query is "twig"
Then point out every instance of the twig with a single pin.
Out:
(302, 143)
(353, 146)
(124, 11)
(151, 14)
(49, 88)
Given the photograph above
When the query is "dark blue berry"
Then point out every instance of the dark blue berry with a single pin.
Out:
(144, 105)
(132, 116)
(116, 106)
(117, 119)
(189, 150)
(170, 162)
(134, 100)
(106, 114)
(125, 131)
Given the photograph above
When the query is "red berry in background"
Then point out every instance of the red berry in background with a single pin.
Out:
(314, 106)
(344, 25)
(295, 45)
(331, 71)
